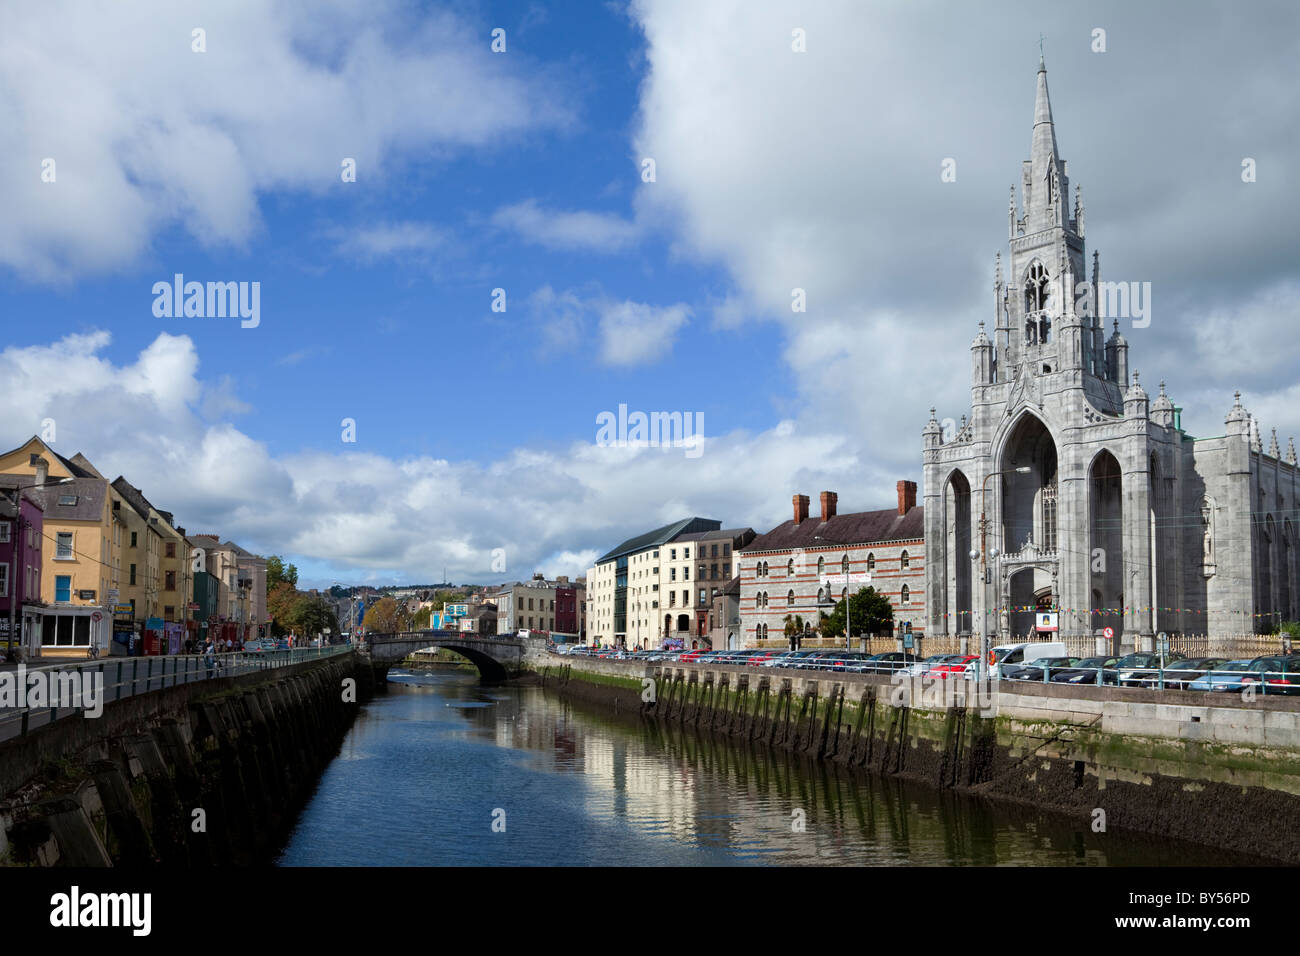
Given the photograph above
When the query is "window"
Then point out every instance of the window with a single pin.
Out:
(821, 567)
(63, 552)
(132, 581)
(4, 532)
(4, 580)
(672, 574)
(171, 549)
(170, 584)
(844, 565)
(68, 500)
(789, 598)
(672, 554)
(906, 596)
(871, 562)
(62, 588)
(672, 598)
(904, 561)
(789, 568)
(726, 550)
(686, 598)
(686, 574)
(133, 534)
(65, 630)
(169, 612)
(686, 553)
(704, 597)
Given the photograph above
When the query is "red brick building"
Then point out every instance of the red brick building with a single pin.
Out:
(797, 568)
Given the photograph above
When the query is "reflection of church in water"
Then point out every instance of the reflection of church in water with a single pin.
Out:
(1095, 501)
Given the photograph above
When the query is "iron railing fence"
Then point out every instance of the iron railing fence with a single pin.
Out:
(122, 677)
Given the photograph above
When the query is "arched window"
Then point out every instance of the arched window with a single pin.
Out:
(844, 565)
(764, 569)
(789, 598)
(789, 568)
(906, 596)
(821, 595)
(821, 566)
(904, 561)
(871, 562)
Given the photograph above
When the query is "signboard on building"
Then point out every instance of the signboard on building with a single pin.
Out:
(853, 577)
(126, 609)
(86, 595)
(1046, 622)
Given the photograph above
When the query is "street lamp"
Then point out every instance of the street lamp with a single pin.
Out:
(984, 551)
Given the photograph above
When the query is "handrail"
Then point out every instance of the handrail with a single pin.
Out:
(122, 677)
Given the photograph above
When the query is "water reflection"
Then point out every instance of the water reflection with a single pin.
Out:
(426, 766)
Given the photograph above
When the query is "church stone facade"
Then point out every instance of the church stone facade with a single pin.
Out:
(1067, 488)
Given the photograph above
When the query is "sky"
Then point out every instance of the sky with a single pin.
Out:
(440, 336)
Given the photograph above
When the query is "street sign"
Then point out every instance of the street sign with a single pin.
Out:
(1108, 632)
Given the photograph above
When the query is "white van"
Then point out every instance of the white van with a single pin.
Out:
(1023, 653)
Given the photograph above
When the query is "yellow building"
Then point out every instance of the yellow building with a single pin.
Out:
(81, 551)
(157, 577)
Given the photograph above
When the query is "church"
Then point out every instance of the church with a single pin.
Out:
(1067, 489)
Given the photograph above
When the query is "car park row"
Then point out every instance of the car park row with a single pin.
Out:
(1270, 674)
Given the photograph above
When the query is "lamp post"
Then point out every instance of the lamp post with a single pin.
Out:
(982, 553)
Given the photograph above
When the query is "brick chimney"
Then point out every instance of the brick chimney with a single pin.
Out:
(906, 496)
(800, 508)
(829, 498)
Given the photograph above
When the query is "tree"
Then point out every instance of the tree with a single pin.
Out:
(793, 625)
(282, 604)
(382, 617)
(422, 619)
(277, 571)
(870, 613)
(313, 615)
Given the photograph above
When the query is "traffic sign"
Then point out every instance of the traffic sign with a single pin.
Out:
(1108, 632)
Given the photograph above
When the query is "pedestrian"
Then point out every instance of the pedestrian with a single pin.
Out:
(210, 655)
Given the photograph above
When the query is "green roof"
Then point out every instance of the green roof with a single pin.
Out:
(660, 536)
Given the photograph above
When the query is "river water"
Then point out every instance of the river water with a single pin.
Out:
(442, 771)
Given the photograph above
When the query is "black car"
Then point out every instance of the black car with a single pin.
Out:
(1178, 674)
(1133, 669)
(1085, 672)
(1034, 669)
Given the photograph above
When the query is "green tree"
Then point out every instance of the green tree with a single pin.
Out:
(382, 617)
(277, 571)
(870, 613)
(793, 625)
(314, 615)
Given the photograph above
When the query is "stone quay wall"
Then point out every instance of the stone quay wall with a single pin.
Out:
(1218, 771)
(201, 774)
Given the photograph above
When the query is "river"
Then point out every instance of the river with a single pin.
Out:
(441, 771)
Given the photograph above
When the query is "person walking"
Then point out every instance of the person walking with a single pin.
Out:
(210, 655)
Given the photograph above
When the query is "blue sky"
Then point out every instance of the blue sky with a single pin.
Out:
(775, 169)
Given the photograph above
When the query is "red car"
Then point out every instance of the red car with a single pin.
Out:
(757, 660)
(954, 669)
(692, 655)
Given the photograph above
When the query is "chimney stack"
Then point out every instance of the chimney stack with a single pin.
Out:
(42, 469)
(906, 496)
(800, 508)
(829, 498)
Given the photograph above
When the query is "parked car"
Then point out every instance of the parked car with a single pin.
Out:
(790, 659)
(1132, 669)
(921, 668)
(1086, 671)
(1036, 670)
(1179, 674)
(1280, 674)
(953, 669)
(1227, 677)
(1023, 652)
(889, 662)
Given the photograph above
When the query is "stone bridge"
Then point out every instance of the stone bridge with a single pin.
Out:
(497, 657)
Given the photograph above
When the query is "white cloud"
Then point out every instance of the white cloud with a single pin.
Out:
(147, 134)
(415, 240)
(633, 333)
(555, 229)
(353, 515)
